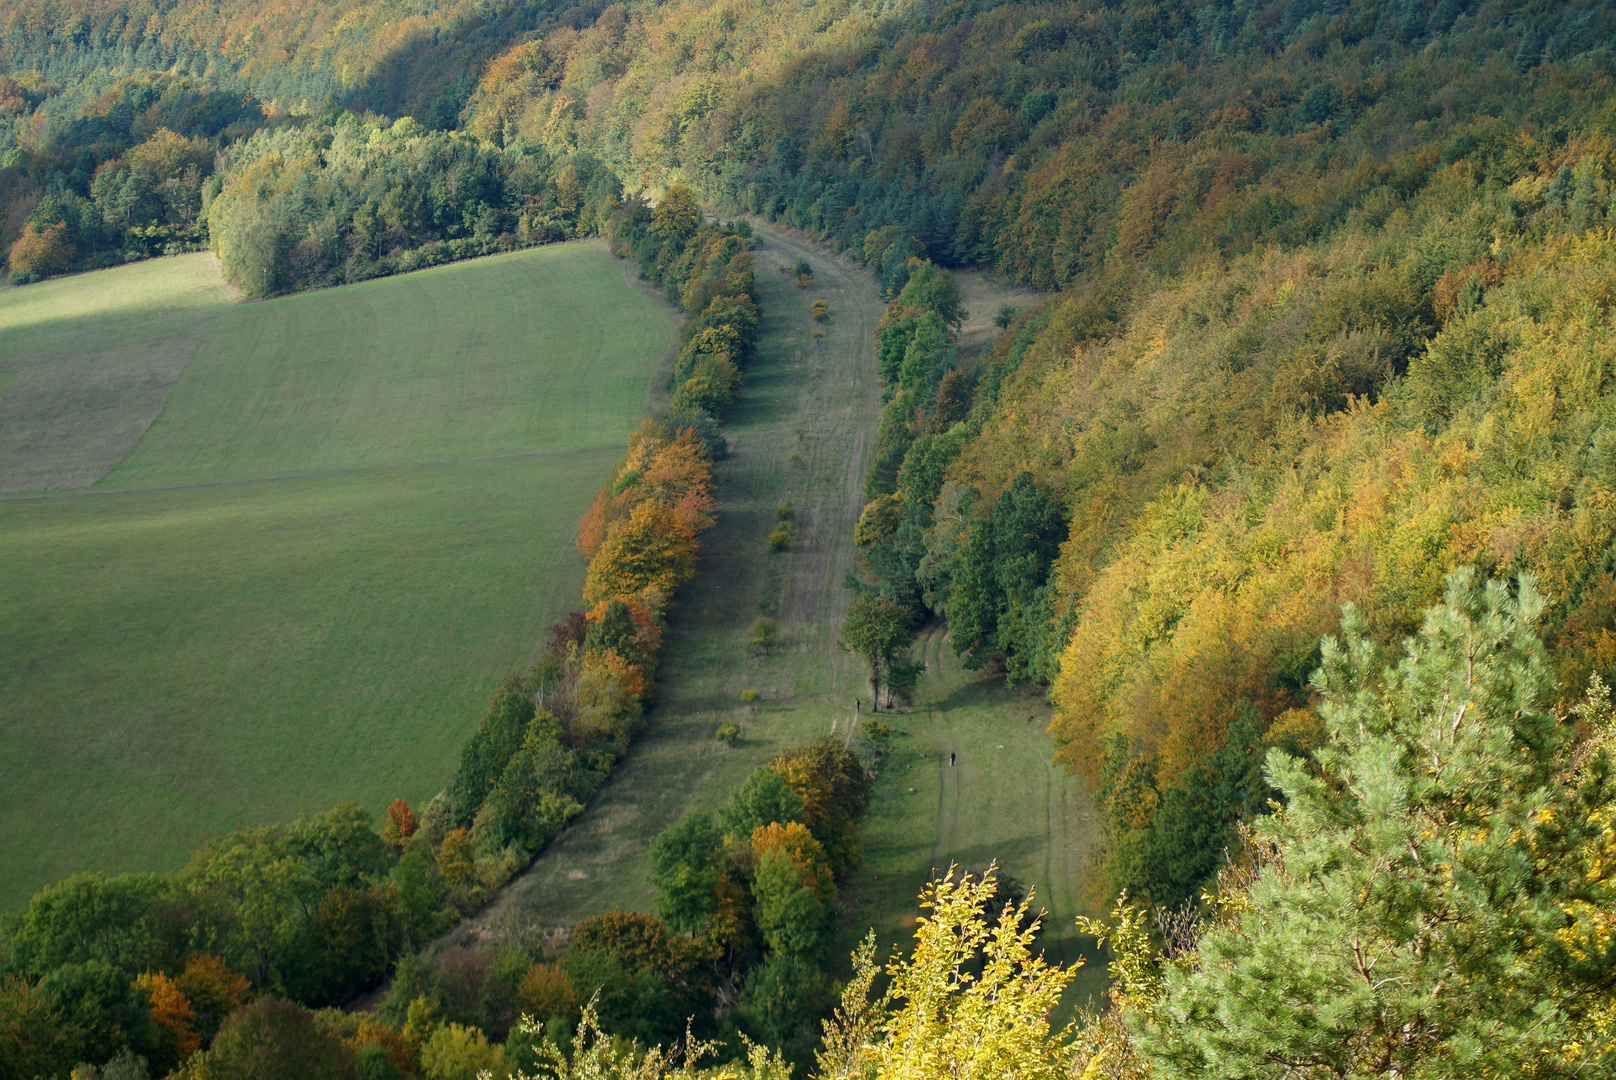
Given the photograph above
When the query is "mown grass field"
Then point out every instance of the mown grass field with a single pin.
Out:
(801, 436)
(352, 514)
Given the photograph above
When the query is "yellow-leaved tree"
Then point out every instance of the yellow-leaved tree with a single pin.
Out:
(973, 1002)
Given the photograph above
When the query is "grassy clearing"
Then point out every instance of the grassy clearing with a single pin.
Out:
(799, 439)
(353, 518)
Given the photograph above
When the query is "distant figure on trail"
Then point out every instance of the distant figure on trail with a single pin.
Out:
(951, 759)
(855, 705)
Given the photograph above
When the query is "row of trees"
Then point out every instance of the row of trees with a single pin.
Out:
(302, 205)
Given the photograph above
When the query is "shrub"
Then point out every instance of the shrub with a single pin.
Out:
(763, 632)
(780, 537)
(785, 513)
(750, 696)
(879, 734)
(821, 311)
(729, 734)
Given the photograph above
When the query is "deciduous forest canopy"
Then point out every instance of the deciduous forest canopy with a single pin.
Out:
(1324, 323)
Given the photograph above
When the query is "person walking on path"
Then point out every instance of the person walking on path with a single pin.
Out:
(951, 759)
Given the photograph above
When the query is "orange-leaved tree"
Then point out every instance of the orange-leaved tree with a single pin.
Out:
(399, 825)
(653, 549)
(171, 1011)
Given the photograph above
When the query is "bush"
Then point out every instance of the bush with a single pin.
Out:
(750, 696)
(779, 538)
(879, 734)
(763, 632)
(785, 513)
(821, 311)
(729, 734)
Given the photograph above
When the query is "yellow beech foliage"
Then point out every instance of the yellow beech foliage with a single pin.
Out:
(651, 551)
(1217, 593)
(973, 1000)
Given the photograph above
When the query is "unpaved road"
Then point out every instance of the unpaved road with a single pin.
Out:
(801, 435)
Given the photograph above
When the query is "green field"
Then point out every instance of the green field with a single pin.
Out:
(802, 435)
(341, 518)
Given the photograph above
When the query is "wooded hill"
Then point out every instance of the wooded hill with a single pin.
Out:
(1330, 305)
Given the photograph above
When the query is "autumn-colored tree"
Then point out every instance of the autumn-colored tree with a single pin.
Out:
(603, 667)
(793, 840)
(835, 789)
(972, 1000)
(41, 251)
(370, 1032)
(454, 857)
(399, 824)
(172, 1013)
(653, 549)
(676, 214)
(213, 990)
(545, 991)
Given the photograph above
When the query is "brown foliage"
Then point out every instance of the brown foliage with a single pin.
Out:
(545, 991)
(46, 252)
(400, 824)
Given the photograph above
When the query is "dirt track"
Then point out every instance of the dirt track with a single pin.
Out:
(801, 435)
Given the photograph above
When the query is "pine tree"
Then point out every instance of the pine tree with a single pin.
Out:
(1428, 900)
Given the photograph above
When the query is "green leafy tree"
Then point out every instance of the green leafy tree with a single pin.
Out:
(794, 917)
(765, 798)
(780, 1004)
(1001, 573)
(340, 847)
(684, 872)
(102, 1005)
(89, 917)
(932, 289)
(267, 892)
(1429, 902)
(36, 1039)
(876, 631)
(485, 755)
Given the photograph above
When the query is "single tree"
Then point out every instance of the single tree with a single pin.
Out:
(877, 631)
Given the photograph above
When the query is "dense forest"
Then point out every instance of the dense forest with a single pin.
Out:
(1326, 323)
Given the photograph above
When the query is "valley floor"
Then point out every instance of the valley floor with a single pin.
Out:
(801, 436)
